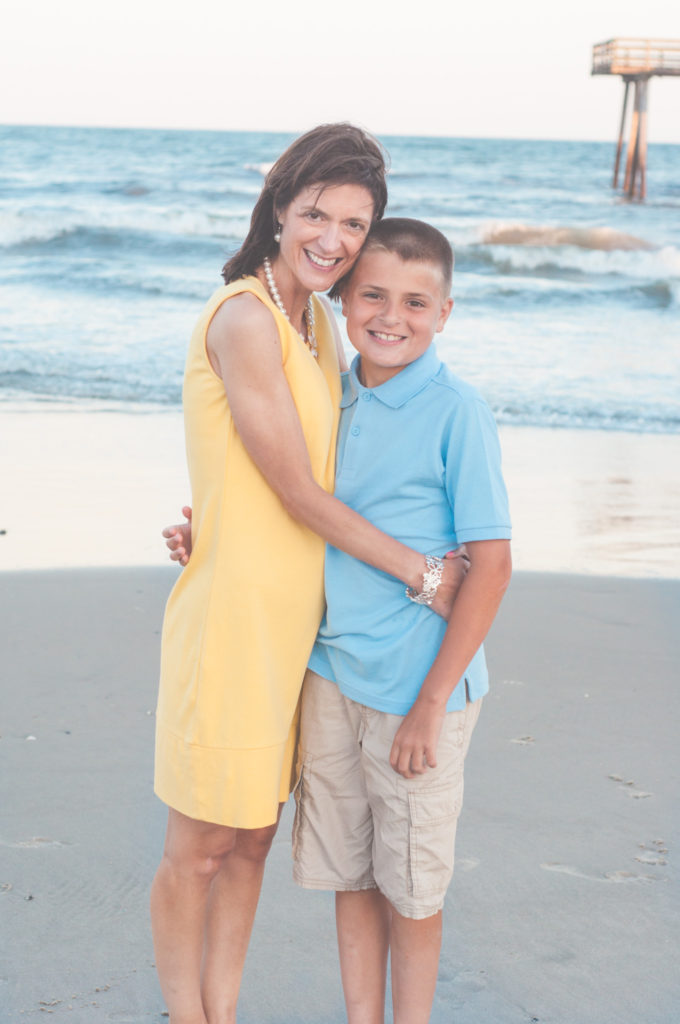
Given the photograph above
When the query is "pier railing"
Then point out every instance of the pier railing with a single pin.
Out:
(637, 57)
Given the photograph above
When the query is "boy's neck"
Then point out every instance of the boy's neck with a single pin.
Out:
(365, 379)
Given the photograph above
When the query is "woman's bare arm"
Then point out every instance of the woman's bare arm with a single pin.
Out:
(178, 537)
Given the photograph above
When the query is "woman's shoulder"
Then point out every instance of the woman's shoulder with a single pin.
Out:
(240, 309)
(242, 301)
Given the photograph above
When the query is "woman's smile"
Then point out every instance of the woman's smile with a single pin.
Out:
(320, 261)
(322, 231)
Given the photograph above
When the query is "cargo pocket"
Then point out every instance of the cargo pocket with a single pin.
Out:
(433, 816)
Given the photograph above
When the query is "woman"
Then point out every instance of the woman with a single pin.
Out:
(261, 400)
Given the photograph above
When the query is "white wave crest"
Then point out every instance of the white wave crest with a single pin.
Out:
(264, 168)
(26, 227)
(656, 265)
(16, 228)
(554, 251)
(543, 235)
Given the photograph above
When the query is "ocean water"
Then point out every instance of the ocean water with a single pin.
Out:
(567, 298)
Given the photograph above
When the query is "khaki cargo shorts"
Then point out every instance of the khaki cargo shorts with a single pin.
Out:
(360, 825)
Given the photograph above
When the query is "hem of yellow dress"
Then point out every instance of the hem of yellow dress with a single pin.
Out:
(238, 788)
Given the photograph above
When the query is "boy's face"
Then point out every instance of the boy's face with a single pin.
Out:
(394, 308)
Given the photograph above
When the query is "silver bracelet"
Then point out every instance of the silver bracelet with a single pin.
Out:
(432, 577)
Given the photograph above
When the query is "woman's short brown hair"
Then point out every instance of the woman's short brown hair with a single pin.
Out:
(331, 154)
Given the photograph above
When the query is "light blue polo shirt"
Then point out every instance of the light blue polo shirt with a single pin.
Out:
(419, 457)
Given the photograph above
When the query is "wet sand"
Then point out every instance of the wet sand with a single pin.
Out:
(94, 489)
(564, 907)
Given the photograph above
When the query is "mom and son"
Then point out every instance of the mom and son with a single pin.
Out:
(392, 692)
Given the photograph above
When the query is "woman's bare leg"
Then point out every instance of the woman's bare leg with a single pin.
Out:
(363, 923)
(414, 954)
(195, 853)
(231, 911)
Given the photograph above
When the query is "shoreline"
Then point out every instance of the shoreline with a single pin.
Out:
(96, 488)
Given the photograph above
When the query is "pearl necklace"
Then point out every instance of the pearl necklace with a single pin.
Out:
(310, 340)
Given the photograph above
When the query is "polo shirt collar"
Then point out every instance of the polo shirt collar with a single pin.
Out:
(398, 390)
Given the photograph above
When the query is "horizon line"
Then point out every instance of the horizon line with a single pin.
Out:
(293, 132)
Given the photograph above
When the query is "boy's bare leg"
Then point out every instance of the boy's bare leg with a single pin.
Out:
(414, 949)
(363, 923)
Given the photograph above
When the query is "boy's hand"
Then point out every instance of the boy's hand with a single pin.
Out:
(456, 565)
(415, 745)
(178, 539)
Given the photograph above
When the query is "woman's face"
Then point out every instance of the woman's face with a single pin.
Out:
(322, 231)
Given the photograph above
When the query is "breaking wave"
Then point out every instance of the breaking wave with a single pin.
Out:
(573, 253)
(602, 238)
(19, 229)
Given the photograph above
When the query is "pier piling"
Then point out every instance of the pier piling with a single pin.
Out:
(622, 126)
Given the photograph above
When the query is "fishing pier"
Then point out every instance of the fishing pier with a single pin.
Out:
(636, 61)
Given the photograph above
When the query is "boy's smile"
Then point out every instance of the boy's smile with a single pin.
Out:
(394, 308)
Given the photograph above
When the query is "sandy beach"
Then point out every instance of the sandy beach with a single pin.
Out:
(94, 489)
(564, 907)
(565, 904)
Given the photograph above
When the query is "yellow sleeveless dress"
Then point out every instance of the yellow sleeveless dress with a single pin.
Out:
(241, 620)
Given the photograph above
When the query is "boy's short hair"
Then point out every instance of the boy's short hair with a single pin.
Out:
(410, 240)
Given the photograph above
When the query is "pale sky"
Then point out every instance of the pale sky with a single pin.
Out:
(498, 69)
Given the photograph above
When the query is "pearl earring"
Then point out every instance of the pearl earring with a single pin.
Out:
(277, 236)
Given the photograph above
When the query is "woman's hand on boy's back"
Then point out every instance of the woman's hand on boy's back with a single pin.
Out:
(456, 565)
(178, 538)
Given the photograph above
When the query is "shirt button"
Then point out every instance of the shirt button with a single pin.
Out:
(356, 431)
(366, 396)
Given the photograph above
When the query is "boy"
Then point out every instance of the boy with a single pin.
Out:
(392, 693)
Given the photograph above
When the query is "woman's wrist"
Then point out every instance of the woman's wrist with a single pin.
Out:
(431, 579)
(416, 568)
